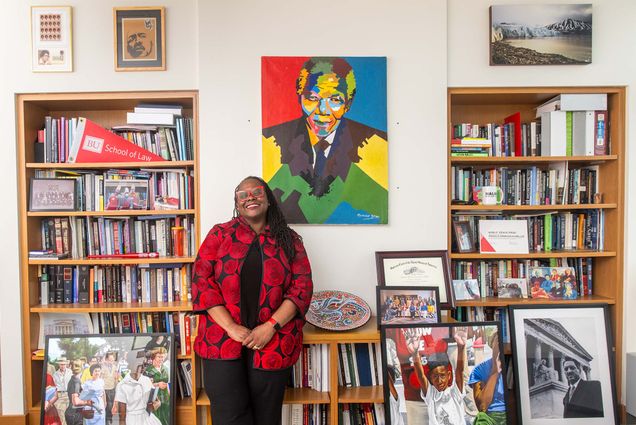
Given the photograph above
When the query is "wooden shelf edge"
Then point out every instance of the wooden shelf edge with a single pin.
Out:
(505, 302)
(113, 261)
(532, 207)
(70, 166)
(529, 159)
(532, 255)
(184, 403)
(111, 307)
(371, 394)
(366, 333)
(117, 213)
(306, 396)
(202, 398)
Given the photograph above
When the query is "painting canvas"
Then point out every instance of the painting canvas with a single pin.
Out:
(324, 140)
(445, 373)
(541, 34)
(553, 283)
(98, 379)
(563, 364)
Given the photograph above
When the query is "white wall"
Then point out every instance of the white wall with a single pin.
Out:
(411, 33)
(613, 63)
(94, 71)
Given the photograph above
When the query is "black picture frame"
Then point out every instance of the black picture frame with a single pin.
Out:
(140, 38)
(417, 268)
(463, 236)
(132, 352)
(126, 194)
(430, 335)
(414, 317)
(559, 332)
(51, 194)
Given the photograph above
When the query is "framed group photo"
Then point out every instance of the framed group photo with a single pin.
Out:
(52, 38)
(444, 373)
(563, 364)
(52, 195)
(416, 268)
(407, 304)
(126, 194)
(138, 368)
(140, 38)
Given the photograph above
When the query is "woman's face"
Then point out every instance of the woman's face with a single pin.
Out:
(158, 360)
(251, 200)
(96, 373)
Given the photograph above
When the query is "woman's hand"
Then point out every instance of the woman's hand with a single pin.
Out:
(259, 337)
(238, 332)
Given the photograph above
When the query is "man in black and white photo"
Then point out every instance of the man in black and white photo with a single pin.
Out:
(583, 398)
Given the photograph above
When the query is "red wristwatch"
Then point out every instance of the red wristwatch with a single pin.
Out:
(274, 323)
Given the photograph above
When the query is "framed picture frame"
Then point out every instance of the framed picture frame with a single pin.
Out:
(463, 236)
(563, 364)
(140, 38)
(442, 367)
(407, 304)
(52, 38)
(466, 289)
(126, 194)
(127, 360)
(52, 195)
(416, 268)
(554, 283)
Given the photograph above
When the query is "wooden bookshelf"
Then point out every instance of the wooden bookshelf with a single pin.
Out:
(482, 105)
(107, 109)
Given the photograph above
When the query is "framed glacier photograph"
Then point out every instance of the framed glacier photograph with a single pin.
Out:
(541, 34)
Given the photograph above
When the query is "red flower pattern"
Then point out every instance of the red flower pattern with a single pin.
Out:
(216, 281)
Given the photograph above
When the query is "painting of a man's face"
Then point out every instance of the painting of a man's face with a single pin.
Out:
(324, 103)
(139, 45)
(140, 38)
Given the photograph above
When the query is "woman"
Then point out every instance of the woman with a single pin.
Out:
(160, 377)
(252, 281)
(72, 414)
(93, 393)
(51, 417)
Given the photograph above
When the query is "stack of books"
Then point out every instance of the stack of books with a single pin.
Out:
(471, 146)
(154, 113)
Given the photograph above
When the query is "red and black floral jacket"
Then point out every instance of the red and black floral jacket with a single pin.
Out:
(216, 280)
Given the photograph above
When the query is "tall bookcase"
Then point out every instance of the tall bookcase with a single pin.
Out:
(491, 105)
(107, 109)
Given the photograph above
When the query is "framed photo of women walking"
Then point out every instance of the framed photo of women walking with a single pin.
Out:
(97, 379)
(416, 268)
(563, 363)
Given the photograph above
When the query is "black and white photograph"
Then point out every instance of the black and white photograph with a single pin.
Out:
(52, 195)
(407, 304)
(104, 379)
(563, 365)
(125, 194)
(541, 34)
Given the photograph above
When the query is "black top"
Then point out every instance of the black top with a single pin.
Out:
(251, 275)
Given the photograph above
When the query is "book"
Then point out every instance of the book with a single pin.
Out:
(150, 118)
(600, 133)
(159, 108)
(553, 133)
(514, 121)
(583, 133)
(93, 143)
(583, 101)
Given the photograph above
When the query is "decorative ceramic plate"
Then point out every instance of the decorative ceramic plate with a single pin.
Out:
(337, 311)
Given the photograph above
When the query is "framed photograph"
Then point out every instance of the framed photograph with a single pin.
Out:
(463, 236)
(139, 368)
(407, 304)
(140, 38)
(563, 364)
(126, 194)
(443, 369)
(52, 38)
(555, 283)
(52, 195)
(512, 288)
(416, 268)
(466, 289)
(541, 34)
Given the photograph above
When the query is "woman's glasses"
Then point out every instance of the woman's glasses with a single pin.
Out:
(256, 192)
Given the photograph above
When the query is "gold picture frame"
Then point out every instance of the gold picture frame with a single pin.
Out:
(140, 38)
(52, 38)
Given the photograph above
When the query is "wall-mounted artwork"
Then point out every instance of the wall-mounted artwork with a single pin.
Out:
(51, 39)
(541, 34)
(140, 38)
(325, 146)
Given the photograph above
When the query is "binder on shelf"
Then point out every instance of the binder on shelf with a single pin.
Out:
(93, 143)
(553, 133)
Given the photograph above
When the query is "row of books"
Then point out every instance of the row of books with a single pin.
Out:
(128, 189)
(68, 284)
(312, 368)
(556, 185)
(511, 138)
(184, 378)
(305, 414)
(81, 237)
(488, 272)
(552, 231)
(173, 142)
(359, 364)
(361, 414)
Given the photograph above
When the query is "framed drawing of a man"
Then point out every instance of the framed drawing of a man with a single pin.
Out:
(140, 38)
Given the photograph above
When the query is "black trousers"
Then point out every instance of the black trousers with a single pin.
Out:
(242, 395)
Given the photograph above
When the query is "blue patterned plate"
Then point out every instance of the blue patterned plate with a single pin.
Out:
(337, 311)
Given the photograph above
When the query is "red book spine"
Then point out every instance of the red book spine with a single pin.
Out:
(187, 342)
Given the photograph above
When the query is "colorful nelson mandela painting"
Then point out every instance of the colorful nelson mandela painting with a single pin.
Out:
(325, 147)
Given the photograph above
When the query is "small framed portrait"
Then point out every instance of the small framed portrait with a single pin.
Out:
(563, 364)
(78, 368)
(463, 236)
(416, 268)
(140, 38)
(444, 373)
(51, 39)
(52, 195)
(126, 194)
(407, 304)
